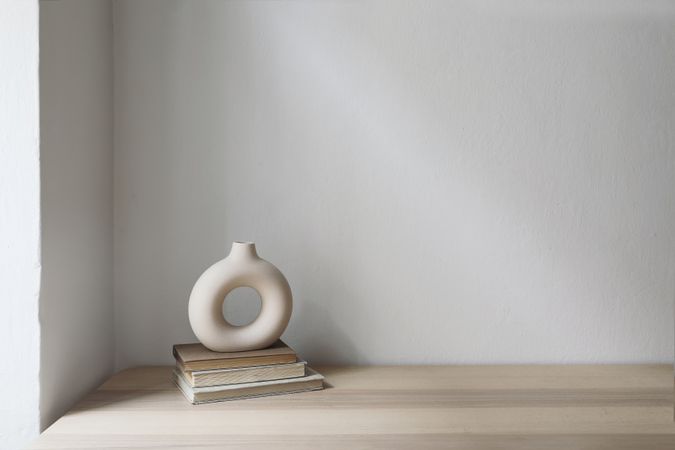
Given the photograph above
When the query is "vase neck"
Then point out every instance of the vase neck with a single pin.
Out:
(243, 250)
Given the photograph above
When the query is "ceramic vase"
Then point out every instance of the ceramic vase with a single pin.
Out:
(242, 268)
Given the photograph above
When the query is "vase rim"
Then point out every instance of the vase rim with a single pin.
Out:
(243, 249)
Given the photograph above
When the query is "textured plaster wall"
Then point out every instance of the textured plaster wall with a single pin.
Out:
(76, 299)
(19, 224)
(441, 182)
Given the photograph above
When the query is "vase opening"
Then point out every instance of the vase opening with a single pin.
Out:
(243, 249)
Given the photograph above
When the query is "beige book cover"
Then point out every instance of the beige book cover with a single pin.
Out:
(312, 381)
(197, 357)
(206, 378)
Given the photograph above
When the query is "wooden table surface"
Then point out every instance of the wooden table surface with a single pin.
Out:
(416, 407)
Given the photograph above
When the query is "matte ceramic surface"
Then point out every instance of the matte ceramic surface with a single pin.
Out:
(242, 268)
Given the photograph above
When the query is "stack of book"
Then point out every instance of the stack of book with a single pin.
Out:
(206, 376)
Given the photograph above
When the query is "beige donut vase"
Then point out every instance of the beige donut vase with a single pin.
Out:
(242, 268)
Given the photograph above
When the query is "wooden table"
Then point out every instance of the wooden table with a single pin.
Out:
(467, 407)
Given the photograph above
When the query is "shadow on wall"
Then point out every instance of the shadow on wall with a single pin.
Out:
(76, 304)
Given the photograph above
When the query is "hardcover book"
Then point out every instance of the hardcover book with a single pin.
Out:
(197, 357)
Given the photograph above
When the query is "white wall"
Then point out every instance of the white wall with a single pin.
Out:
(19, 224)
(440, 182)
(76, 308)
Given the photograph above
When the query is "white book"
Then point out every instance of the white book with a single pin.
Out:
(312, 381)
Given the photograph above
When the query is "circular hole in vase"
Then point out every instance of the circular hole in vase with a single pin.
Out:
(242, 306)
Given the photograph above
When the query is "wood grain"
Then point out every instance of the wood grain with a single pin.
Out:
(417, 407)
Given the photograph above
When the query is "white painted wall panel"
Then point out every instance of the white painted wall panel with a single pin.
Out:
(441, 182)
(19, 224)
